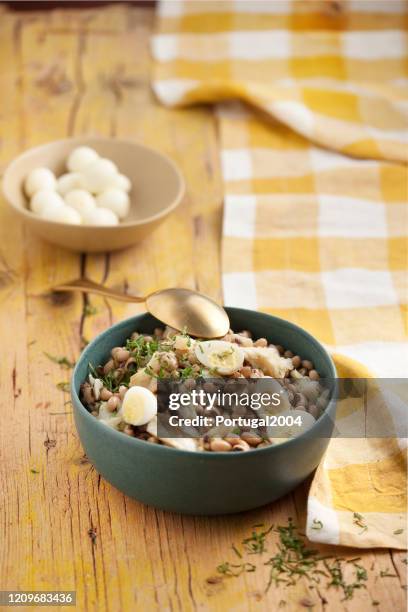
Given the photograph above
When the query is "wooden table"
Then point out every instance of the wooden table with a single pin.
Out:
(86, 71)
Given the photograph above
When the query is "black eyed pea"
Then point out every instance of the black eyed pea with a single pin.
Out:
(217, 445)
(314, 375)
(279, 348)
(262, 342)
(314, 411)
(246, 371)
(245, 333)
(251, 438)
(109, 366)
(113, 403)
(232, 439)
(122, 391)
(300, 399)
(87, 394)
(120, 354)
(158, 332)
(241, 446)
(243, 340)
(296, 361)
(308, 365)
(288, 354)
(105, 394)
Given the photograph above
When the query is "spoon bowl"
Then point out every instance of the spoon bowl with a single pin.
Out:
(189, 310)
(183, 309)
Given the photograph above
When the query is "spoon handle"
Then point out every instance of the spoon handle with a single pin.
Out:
(87, 286)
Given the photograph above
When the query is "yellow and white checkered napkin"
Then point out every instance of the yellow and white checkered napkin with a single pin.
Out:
(312, 104)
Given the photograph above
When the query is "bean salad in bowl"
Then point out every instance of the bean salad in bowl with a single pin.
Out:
(122, 392)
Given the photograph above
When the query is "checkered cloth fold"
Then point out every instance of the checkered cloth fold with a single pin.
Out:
(311, 99)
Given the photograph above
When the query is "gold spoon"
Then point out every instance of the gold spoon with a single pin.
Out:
(182, 309)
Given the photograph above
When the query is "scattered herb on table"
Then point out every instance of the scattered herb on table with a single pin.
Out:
(387, 574)
(34, 471)
(337, 577)
(317, 525)
(294, 561)
(235, 569)
(63, 386)
(90, 311)
(398, 531)
(62, 361)
(236, 551)
(255, 544)
(358, 520)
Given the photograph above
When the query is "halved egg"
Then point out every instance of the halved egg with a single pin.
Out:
(139, 406)
(220, 356)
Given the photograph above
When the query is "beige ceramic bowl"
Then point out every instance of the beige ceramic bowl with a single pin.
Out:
(157, 189)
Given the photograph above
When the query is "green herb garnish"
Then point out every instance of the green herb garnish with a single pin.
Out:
(62, 361)
(63, 386)
(233, 569)
(317, 525)
(255, 544)
(358, 520)
(90, 311)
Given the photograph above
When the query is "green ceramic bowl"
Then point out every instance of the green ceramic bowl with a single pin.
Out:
(203, 483)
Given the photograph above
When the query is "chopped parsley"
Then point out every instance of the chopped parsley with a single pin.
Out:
(64, 362)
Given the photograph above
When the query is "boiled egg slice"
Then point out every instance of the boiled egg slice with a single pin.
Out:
(139, 406)
(220, 356)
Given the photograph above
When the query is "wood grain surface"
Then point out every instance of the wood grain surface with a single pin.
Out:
(86, 71)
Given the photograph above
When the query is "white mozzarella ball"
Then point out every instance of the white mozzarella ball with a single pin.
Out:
(39, 178)
(120, 181)
(100, 216)
(116, 200)
(43, 199)
(63, 214)
(80, 158)
(99, 174)
(69, 181)
(81, 200)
